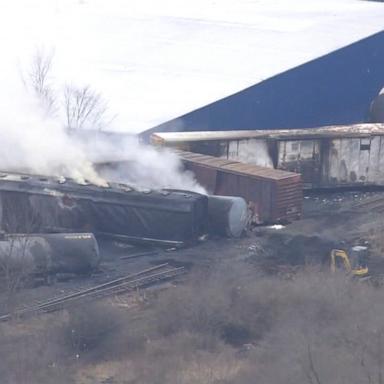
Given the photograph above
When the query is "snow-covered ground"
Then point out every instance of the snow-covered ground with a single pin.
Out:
(155, 60)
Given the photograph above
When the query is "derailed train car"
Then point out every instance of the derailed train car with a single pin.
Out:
(49, 254)
(326, 157)
(273, 196)
(33, 204)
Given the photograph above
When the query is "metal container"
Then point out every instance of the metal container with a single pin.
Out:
(33, 204)
(272, 195)
(326, 157)
(228, 215)
(50, 253)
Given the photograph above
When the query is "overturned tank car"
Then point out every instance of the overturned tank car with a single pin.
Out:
(46, 254)
(35, 204)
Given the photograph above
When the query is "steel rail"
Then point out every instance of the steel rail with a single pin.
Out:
(107, 284)
(117, 286)
(120, 288)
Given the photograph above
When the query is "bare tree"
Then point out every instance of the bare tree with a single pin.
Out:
(16, 260)
(41, 66)
(39, 75)
(85, 108)
(16, 266)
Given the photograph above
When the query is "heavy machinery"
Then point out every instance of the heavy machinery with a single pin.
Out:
(354, 263)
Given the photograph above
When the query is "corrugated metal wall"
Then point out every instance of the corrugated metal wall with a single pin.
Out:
(334, 89)
(354, 161)
(322, 162)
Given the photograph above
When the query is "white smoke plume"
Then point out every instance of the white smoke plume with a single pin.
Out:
(35, 141)
(33, 135)
(137, 164)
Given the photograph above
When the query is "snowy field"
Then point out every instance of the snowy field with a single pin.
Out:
(156, 60)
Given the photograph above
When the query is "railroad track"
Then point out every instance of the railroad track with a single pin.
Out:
(376, 204)
(118, 286)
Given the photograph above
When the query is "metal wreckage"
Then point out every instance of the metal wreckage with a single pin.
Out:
(33, 204)
(55, 221)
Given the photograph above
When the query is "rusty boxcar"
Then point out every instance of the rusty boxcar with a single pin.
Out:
(272, 195)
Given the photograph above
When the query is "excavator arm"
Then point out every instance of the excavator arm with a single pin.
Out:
(340, 259)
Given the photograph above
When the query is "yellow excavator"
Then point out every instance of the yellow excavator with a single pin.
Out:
(355, 263)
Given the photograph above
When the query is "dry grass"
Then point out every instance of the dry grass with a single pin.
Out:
(313, 328)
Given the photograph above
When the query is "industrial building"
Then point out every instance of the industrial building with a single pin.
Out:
(333, 156)
(319, 64)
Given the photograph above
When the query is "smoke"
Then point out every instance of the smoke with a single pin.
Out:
(33, 123)
(36, 140)
(123, 159)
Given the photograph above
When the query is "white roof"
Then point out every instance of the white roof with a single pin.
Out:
(155, 60)
(354, 130)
